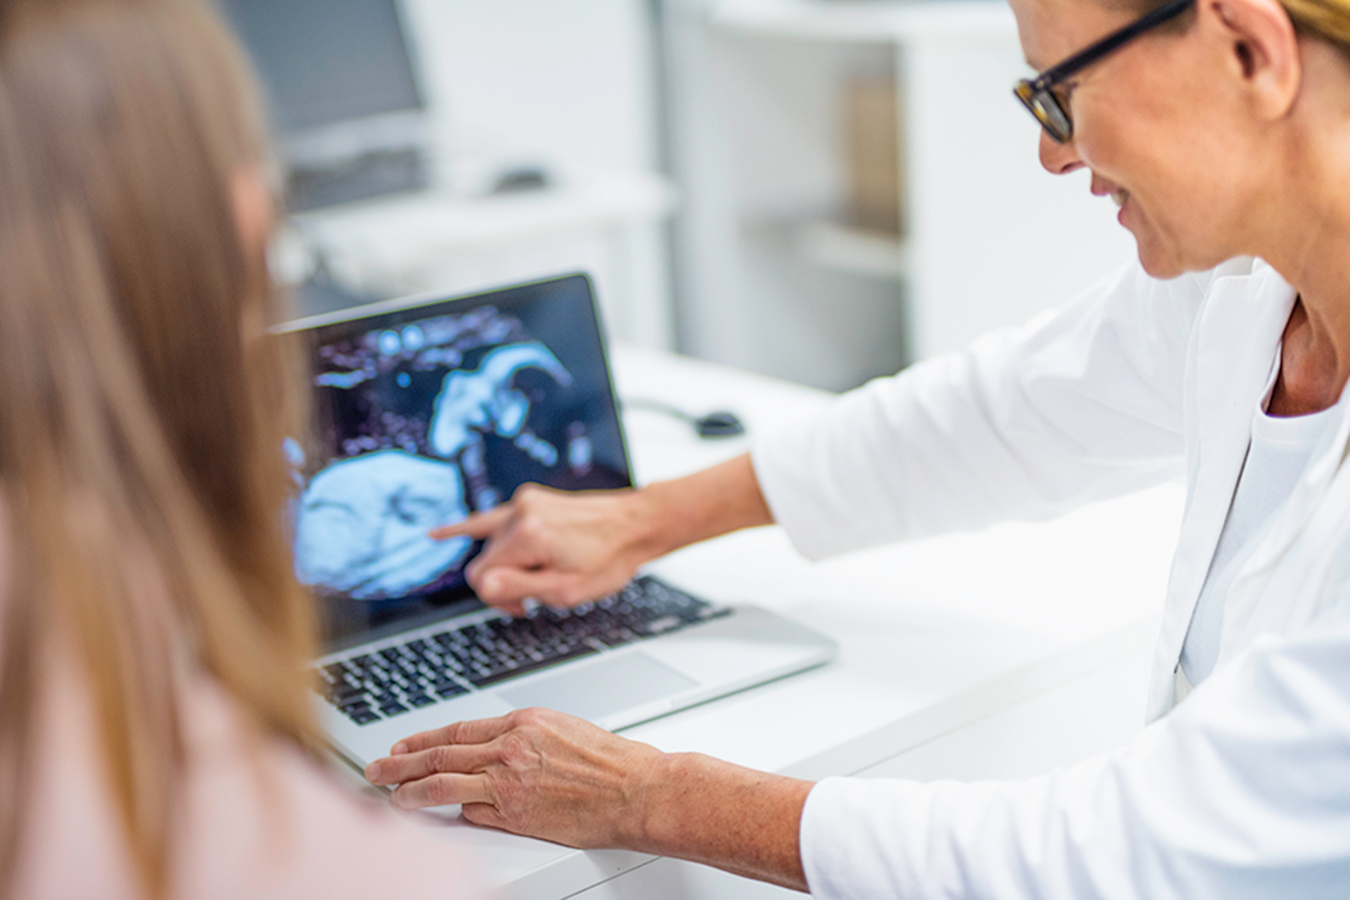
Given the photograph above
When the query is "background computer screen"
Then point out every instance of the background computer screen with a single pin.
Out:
(428, 414)
(327, 61)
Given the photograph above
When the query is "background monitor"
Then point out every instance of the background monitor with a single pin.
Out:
(343, 94)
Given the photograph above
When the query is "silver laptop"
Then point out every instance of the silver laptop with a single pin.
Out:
(428, 410)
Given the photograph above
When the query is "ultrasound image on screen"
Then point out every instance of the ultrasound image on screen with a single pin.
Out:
(425, 418)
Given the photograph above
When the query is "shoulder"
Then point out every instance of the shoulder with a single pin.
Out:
(254, 816)
(276, 823)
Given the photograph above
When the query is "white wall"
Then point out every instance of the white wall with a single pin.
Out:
(990, 238)
(567, 83)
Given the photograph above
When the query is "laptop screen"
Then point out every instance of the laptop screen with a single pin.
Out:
(430, 412)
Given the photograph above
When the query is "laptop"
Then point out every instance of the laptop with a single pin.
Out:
(430, 409)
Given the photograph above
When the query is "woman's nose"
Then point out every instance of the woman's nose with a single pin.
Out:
(1057, 158)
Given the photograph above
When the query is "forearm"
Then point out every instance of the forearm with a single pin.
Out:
(712, 812)
(706, 504)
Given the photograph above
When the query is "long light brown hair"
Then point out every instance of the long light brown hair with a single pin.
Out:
(141, 408)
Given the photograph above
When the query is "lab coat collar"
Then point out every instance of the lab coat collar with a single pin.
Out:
(1235, 340)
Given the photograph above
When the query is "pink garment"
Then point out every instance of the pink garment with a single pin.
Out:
(294, 832)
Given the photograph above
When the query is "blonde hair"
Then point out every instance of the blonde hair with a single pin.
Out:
(140, 420)
(1327, 19)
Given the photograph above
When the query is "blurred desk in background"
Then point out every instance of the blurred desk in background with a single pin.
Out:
(609, 226)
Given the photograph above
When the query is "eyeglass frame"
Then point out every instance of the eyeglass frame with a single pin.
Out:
(1037, 94)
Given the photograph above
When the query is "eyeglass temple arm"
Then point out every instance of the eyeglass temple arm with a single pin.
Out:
(1097, 51)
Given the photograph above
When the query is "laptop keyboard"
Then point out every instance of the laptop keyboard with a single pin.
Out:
(420, 672)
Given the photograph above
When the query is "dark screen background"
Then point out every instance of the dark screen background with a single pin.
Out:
(390, 407)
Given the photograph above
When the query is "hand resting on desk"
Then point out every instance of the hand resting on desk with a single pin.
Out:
(548, 775)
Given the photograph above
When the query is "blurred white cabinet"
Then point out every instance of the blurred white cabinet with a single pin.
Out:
(769, 277)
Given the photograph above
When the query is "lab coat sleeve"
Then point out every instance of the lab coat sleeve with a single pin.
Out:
(1083, 403)
(1242, 792)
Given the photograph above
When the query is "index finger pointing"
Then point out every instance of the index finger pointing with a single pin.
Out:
(476, 526)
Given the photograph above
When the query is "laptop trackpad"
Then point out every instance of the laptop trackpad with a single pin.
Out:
(602, 688)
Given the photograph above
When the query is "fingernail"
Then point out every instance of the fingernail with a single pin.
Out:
(373, 773)
(398, 748)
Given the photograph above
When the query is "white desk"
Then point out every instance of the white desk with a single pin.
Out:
(984, 655)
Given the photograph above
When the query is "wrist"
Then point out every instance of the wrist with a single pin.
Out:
(652, 522)
(655, 827)
(692, 806)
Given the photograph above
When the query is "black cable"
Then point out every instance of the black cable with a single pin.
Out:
(717, 424)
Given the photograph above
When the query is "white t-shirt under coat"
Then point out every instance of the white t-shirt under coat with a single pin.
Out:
(1278, 455)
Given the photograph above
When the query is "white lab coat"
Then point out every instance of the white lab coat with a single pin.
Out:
(1244, 790)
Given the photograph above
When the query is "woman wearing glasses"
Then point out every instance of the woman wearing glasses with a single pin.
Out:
(1221, 129)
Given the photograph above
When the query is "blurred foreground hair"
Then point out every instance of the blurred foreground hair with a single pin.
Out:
(142, 408)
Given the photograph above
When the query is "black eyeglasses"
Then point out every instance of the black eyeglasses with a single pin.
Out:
(1037, 94)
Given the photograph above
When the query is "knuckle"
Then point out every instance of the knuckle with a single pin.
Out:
(532, 715)
(516, 751)
(440, 759)
(438, 790)
(529, 527)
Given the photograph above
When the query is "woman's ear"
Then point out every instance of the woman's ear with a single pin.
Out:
(255, 218)
(254, 210)
(1263, 50)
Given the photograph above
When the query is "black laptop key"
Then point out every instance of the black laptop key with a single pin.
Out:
(364, 716)
(617, 637)
(661, 625)
(445, 689)
(343, 693)
(490, 677)
(421, 700)
(392, 709)
(449, 639)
